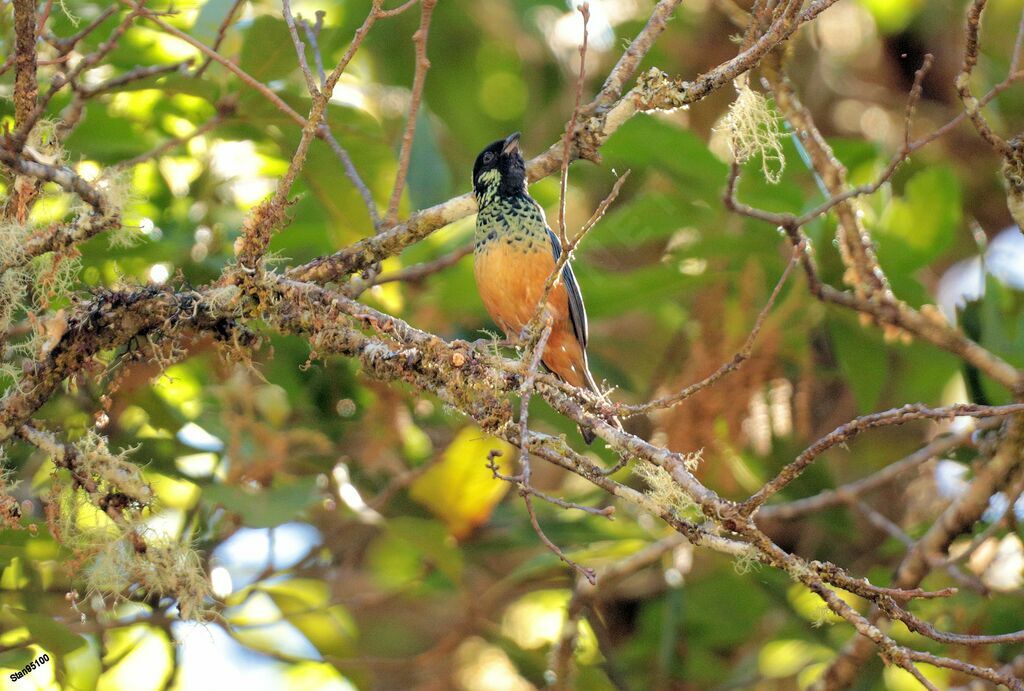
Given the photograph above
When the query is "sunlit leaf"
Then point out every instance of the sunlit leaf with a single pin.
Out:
(899, 679)
(47, 631)
(460, 490)
(316, 675)
(781, 659)
(138, 657)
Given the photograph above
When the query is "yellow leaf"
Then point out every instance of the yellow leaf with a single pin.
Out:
(459, 489)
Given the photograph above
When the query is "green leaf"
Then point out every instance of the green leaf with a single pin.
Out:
(210, 18)
(12, 544)
(47, 632)
(267, 52)
(1000, 315)
(648, 216)
(918, 227)
(305, 603)
(785, 658)
(411, 547)
(268, 507)
(645, 142)
(893, 16)
(862, 359)
(16, 658)
(429, 179)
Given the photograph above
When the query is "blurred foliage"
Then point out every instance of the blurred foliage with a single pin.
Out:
(353, 534)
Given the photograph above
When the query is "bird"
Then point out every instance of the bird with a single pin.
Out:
(515, 252)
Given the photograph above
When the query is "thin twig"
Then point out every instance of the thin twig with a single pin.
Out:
(322, 131)
(222, 31)
(570, 128)
(849, 430)
(919, 626)
(21, 134)
(65, 45)
(566, 255)
(300, 49)
(492, 465)
(737, 360)
(525, 469)
(312, 32)
(842, 495)
(1018, 46)
(978, 540)
(353, 175)
(963, 82)
(417, 272)
(25, 85)
(584, 571)
(533, 359)
(419, 39)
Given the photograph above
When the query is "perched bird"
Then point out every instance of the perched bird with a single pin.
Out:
(514, 256)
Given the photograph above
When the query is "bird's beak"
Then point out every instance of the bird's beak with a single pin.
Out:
(511, 144)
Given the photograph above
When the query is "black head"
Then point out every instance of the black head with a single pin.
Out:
(500, 170)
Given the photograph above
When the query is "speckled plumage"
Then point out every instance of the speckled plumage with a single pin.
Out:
(514, 256)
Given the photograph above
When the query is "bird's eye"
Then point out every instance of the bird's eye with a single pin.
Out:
(488, 157)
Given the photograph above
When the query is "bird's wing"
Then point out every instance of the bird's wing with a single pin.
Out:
(577, 311)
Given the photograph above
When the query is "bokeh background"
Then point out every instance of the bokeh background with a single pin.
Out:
(352, 534)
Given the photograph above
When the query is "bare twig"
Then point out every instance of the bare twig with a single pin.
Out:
(222, 31)
(492, 465)
(300, 49)
(212, 54)
(267, 216)
(312, 32)
(978, 540)
(845, 432)
(65, 45)
(626, 66)
(963, 82)
(584, 571)
(26, 90)
(916, 625)
(567, 249)
(60, 175)
(737, 360)
(419, 80)
(585, 594)
(570, 128)
(863, 272)
(20, 135)
(397, 10)
(842, 495)
(417, 272)
(533, 359)
(962, 513)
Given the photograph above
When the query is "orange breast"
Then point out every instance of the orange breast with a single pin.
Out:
(511, 282)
